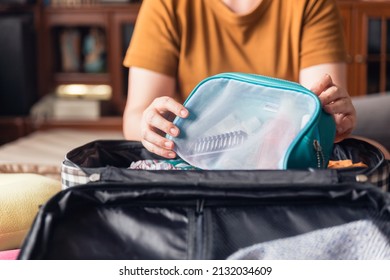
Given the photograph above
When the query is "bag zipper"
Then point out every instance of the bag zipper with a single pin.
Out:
(319, 153)
(258, 80)
(266, 80)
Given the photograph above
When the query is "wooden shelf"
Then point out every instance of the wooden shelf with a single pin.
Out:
(79, 17)
(111, 19)
(98, 7)
(103, 123)
(81, 78)
(16, 8)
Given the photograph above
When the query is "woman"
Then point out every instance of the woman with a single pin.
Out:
(177, 43)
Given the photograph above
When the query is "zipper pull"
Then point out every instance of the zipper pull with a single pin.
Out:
(354, 178)
(361, 178)
(199, 206)
(320, 154)
(95, 177)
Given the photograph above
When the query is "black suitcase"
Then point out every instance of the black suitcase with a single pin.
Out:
(199, 214)
(109, 160)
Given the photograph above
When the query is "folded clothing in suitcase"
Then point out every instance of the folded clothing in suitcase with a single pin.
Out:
(208, 215)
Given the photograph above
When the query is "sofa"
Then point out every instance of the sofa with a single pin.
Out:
(373, 117)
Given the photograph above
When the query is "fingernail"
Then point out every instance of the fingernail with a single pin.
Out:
(171, 155)
(173, 131)
(340, 130)
(168, 144)
(183, 113)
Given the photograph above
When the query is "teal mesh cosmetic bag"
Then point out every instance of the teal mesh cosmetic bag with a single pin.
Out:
(246, 121)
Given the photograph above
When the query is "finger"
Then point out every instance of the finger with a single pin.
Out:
(165, 103)
(322, 84)
(158, 150)
(345, 122)
(156, 139)
(329, 95)
(154, 119)
(345, 125)
(332, 94)
(339, 106)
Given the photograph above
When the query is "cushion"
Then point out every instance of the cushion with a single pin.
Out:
(51, 171)
(20, 198)
(9, 254)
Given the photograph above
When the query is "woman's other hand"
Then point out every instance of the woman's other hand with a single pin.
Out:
(328, 81)
(336, 101)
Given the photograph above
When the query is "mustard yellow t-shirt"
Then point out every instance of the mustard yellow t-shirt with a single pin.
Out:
(194, 39)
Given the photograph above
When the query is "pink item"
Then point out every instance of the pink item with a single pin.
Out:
(277, 136)
(9, 255)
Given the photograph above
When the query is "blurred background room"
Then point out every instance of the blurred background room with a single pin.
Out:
(61, 72)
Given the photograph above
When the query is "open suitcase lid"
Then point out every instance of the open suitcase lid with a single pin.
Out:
(196, 214)
(210, 218)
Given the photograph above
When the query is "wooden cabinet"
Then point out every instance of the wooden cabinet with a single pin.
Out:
(114, 22)
(366, 28)
(367, 34)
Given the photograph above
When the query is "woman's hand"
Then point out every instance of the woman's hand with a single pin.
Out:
(157, 121)
(150, 109)
(337, 102)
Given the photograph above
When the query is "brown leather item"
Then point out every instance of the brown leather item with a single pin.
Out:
(344, 163)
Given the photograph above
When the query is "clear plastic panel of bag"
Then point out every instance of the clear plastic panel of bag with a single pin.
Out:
(239, 125)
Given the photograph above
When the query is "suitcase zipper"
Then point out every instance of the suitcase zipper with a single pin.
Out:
(94, 177)
(361, 178)
(199, 229)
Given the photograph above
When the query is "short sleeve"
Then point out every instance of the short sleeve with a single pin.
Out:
(322, 34)
(155, 41)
